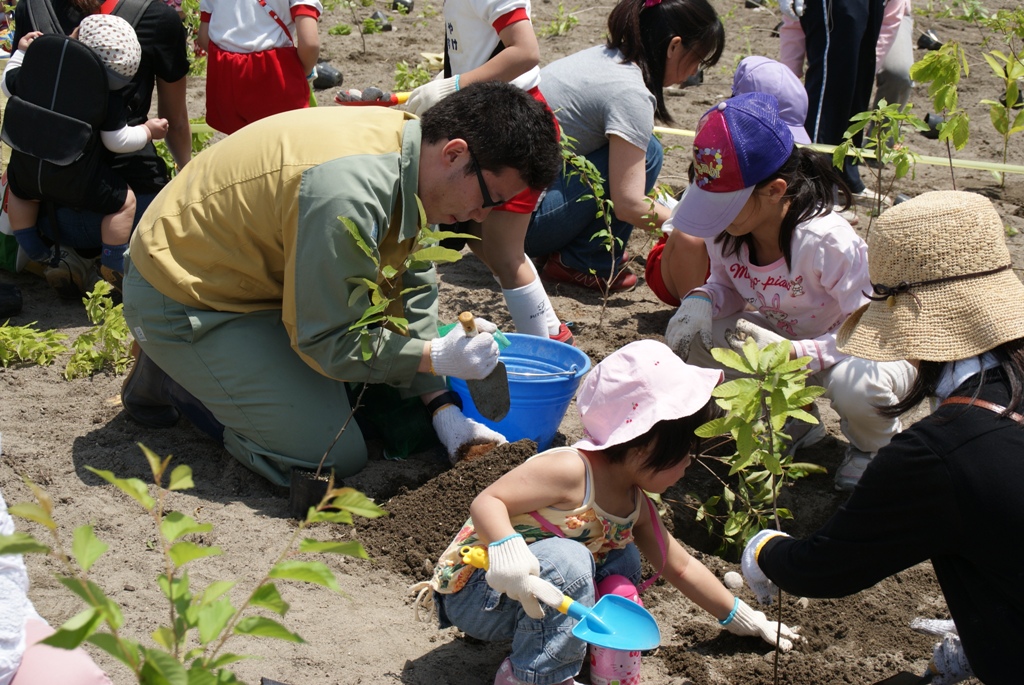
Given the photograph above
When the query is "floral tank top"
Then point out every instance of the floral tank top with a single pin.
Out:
(588, 524)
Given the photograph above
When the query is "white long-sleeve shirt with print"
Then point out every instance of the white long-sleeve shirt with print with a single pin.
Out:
(807, 303)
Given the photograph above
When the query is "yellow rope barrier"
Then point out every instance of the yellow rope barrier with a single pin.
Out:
(921, 159)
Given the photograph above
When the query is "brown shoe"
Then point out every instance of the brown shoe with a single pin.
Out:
(73, 277)
(555, 270)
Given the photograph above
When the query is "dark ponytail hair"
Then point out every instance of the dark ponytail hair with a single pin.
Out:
(642, 34)
(1010, 355)
(812, 184)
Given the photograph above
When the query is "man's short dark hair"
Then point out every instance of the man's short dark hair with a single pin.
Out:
(504, 126)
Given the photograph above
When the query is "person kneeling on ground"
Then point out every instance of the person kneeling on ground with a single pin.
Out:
(578, 517)
(948, 488)
(247, 275)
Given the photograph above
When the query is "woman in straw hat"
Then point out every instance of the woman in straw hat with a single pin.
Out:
(949, 487)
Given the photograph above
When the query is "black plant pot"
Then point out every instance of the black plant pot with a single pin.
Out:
(307, 490)
(928, 40)
(326, 77)
(933, 121)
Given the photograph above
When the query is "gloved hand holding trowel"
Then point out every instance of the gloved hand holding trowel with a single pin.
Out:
(470, 357)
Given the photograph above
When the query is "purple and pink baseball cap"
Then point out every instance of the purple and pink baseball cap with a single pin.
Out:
(757, 74)
(739, 143)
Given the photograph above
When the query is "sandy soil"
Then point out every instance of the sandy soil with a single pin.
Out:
(52, 429)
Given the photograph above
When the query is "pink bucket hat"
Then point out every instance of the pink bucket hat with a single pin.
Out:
(634, 388)
(757, 74)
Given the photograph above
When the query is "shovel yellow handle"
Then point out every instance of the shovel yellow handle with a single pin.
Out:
(468, 324)
(476, 556)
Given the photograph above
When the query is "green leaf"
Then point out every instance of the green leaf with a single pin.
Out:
(181, 478)
(75, 630)
(268, 597)
(213, 618)
(87, 548)
(801, 469)
(436, 254)
(734, 361)
(745, 443)
(353, 231)
(353, 548)
(351, 500)
(357, 294)
(265, 627)
(752, 354)
(124, 650)
(771, 462)
(227, 658)
(160, 668)
(164, 637)
(736, 388)
(306, 572)
(21, 543)
(712, 428)
(775, 354)
(183, 552)
(133, 487)
(30, 511)
(176, 524)
(215, 590)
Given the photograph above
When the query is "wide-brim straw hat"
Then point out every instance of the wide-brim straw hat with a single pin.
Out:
(944, 286)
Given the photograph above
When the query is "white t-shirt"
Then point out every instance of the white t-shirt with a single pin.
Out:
(594, 94)
(807, 303)
(471, 38)
(246, 26)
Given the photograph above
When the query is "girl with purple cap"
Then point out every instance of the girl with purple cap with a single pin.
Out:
(578, 517)
(783, 266)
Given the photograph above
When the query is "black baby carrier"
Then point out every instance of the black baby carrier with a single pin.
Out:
(53, 119)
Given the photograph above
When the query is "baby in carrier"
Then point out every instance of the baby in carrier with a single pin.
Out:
(51, 124)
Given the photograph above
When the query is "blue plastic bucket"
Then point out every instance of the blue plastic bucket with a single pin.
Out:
(543, 375)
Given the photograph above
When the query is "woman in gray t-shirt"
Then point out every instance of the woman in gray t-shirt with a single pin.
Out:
(607, 98)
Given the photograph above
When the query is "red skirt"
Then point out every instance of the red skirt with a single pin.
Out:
(243, 87)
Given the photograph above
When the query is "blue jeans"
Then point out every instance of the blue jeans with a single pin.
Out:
(564, 224)
(543, 651)
(80, 229)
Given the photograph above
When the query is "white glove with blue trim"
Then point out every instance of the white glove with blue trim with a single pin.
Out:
(764, 589)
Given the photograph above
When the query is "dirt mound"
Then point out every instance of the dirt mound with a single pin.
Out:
(423, 521)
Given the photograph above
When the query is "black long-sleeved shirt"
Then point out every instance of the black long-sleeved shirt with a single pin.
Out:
(949, 489)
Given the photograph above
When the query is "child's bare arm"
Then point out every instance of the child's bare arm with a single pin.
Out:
(556, 479)
(27, 39)
(203, 37)
(307, 41)
(687, 574)
(157, 128)
(521, 54)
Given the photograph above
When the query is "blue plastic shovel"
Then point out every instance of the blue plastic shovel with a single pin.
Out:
(614, 622)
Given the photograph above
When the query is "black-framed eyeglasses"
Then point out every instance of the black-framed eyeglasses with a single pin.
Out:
(488, 202)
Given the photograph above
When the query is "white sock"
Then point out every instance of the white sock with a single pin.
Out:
(531, 309)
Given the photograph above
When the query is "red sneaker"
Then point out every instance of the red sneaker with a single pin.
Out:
(555, 270)
(564, 335)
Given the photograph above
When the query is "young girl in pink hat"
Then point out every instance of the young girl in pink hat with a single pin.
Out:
(578, 517)
(783, 266)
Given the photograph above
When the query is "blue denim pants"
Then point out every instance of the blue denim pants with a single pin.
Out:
(566, 225)
(80, 228)
(544, 651)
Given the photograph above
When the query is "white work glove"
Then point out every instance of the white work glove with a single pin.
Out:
(311, 76)
(455, 431)
(462, 356)
(949, 662)
(792, 9)
(764, 589)
(692, 319)
(429, 94)
(746, 621)
(748, 329)
(510, 565)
